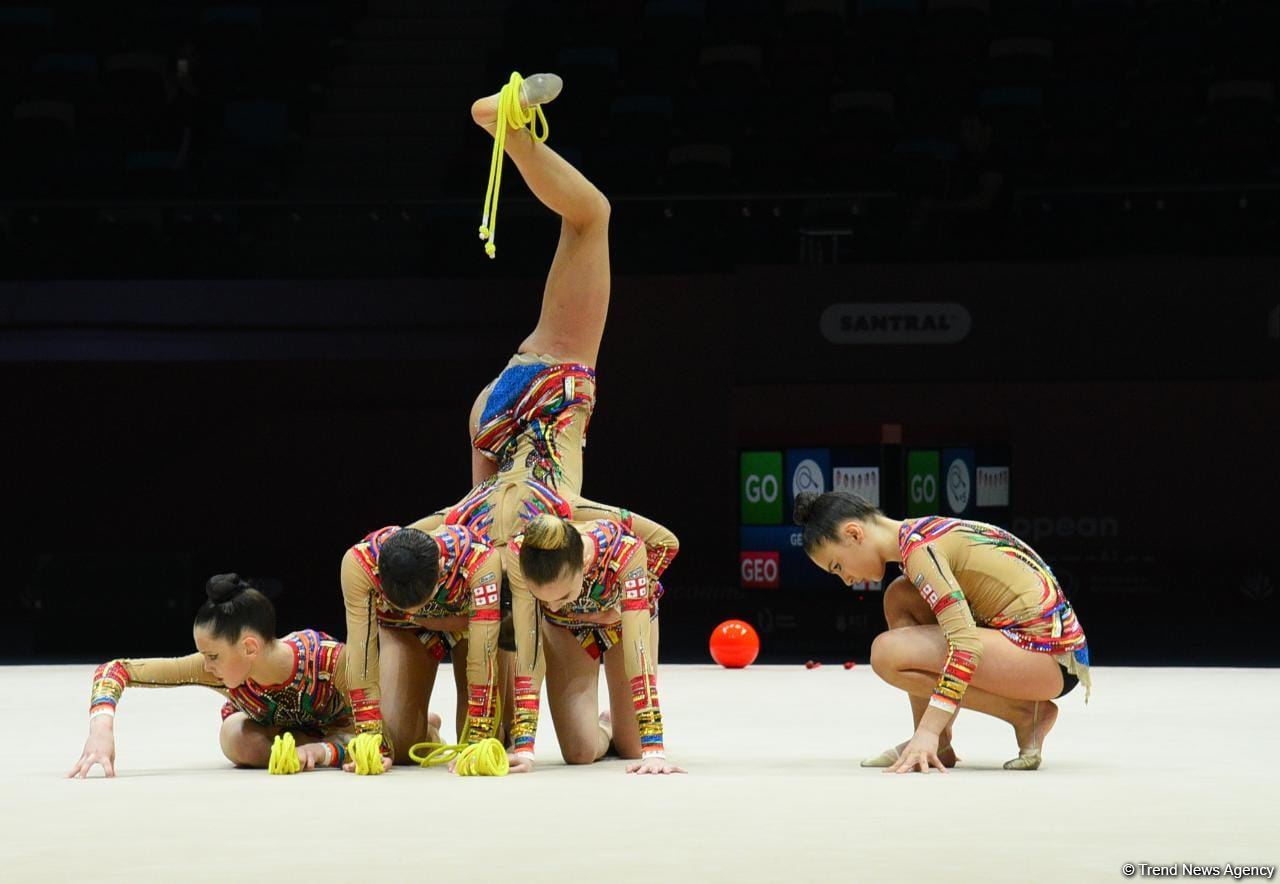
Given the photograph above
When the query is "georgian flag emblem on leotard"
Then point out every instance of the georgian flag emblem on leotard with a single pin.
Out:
(930, 596)
(487, 594)
(636, 589)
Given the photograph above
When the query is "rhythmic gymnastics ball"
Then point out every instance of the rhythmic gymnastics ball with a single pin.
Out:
(734, 644)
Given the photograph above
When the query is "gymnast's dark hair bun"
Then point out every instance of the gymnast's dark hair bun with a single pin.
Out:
(823, 515)
(222, 588)
(803, 506)
(408, 567)
(233, 606)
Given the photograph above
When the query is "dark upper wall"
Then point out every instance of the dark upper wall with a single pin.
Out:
(161, 432)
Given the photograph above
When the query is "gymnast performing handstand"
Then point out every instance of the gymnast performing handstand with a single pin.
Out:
(528, 427)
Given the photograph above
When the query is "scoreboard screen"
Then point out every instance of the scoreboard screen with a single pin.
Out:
(967, 482)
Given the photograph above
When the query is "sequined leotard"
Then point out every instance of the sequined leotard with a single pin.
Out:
(313, 699)
(535, 419)
(973, 574)
(619, 579)
(534, 426)
(468, 587)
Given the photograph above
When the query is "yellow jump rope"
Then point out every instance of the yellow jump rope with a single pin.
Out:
(487, 758)
(484, 758)
(365, 751)
(510, 116)
(284, 755)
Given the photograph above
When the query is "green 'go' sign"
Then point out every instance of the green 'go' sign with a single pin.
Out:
(922, 483)
(761, 487)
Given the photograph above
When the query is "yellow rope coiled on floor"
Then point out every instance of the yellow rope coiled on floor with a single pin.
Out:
(510, 115)
(284, 756)
(487, 758)
(366, 751)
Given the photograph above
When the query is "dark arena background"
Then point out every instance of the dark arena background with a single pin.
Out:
(1010, 260)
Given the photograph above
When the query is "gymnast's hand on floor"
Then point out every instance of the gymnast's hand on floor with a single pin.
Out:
(100, 748)
(654, 766)
(350, 766)
(312, 755)
(919, 754)
(519, 763)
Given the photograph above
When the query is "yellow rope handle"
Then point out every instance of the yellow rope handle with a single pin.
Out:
(284, 756)
(366, 751)
(510, 115)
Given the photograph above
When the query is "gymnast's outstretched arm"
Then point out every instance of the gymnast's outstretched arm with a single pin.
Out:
(362, 649)
(530, 664)
(641, 665)
(109, 681)
(482, 649)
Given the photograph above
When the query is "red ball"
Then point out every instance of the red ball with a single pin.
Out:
(811, 664)
(849, 664)
(734, 644)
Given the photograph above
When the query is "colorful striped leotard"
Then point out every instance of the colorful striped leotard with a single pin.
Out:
(534, 421)
(468, 586)
(973, 574)
(534, 424)
(312, 699)
(498, 509)
(661, 545)
(601, 590)
(617, 580)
